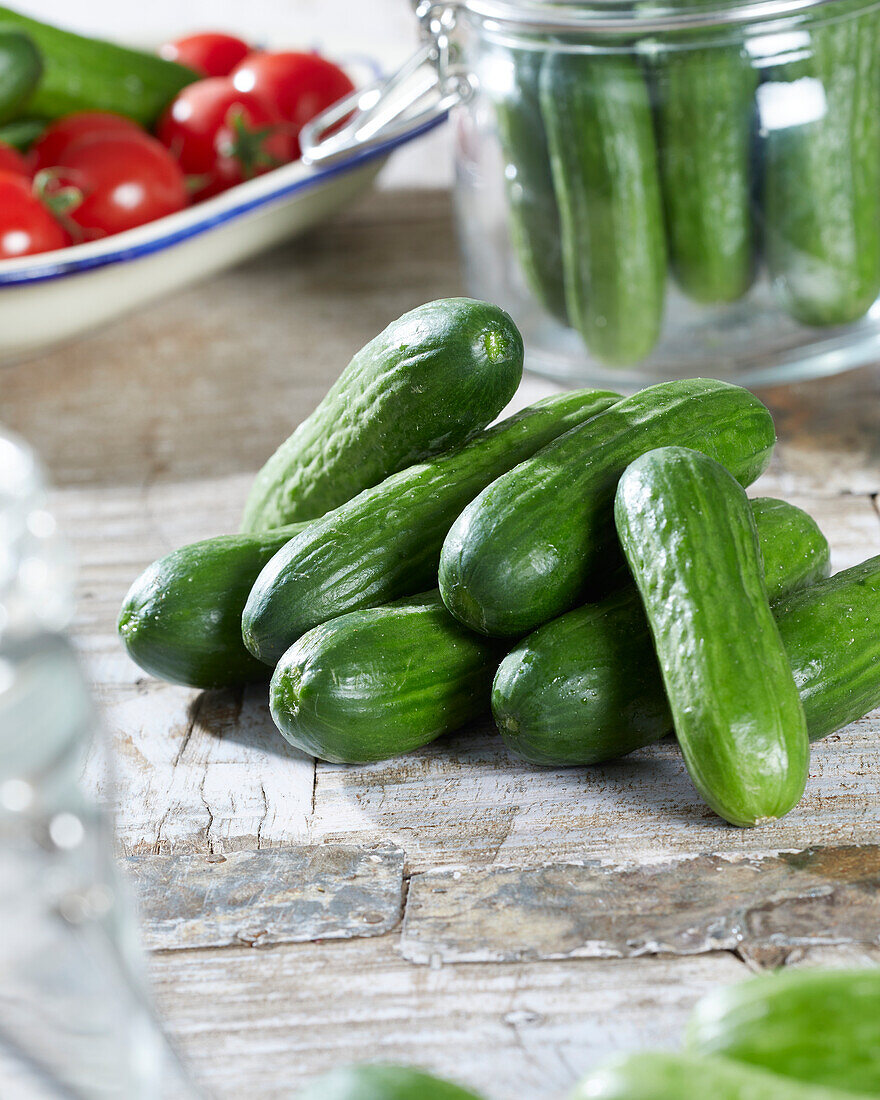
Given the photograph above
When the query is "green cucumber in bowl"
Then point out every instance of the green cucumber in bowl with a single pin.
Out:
(689, 538)
(423, 385)
(535, 542)
(21, 68)
(21, 133)
(532, 213)
(586, 687)
(705, 131)
(380, 682)
(88, 74)
(385, 543)
(661, 1076)
(603, 155)
(381, 1083)
(821, 150)
(817, 1026)
(181, 619)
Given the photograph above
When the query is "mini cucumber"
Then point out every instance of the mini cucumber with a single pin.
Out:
(822, 172)
(706, 118)
(597, 114)
(377, 683)
(817, 1026)
(659, 1076)
(689, 537)
(532, 544)
(385, 543)
(381, 1083)
(434, 376)
(181, 619)
(532, 213)
(87, 74)
(21, 67)
(586, 687)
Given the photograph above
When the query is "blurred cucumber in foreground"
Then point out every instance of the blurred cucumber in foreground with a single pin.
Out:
(817, 1026)
(382, 1083)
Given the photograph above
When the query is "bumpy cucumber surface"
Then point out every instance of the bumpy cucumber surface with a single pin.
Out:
(382, 1083)
(87, 74)
(428, 381)
(689, 1077)
(586, 687)
(819, 1026)
(385, 543)
(21, 66)
(530, 545)
(376, 683)
(822, 173)
(532, 213)
(181, 619)
(690, 541)
(597, 114)
(705, 123)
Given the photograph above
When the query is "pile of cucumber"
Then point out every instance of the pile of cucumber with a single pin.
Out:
(590, 568)
(702, 158)
(792, 1035)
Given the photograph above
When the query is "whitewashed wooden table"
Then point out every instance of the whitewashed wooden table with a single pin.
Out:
(455, 909)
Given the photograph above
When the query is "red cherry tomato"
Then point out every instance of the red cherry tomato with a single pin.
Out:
(222, 136)
(61, 134)
(26, 226)
(12, 161)
(116, 182)
(298, 85)
(211, 54)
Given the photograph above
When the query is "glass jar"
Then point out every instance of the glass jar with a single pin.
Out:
(669, 188)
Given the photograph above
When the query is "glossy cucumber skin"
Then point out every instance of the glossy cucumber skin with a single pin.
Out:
(817, 1026)
(87, 74)
(376, 683)
(597, 114)
(705, 124)
(381, 1083)
(822, 177)
(661, 1076)
(385, 543)
(181, 619)
(423, 385)
(531, 544)
(586, 687)
(689, 537)
(21, 66)
(532, 213)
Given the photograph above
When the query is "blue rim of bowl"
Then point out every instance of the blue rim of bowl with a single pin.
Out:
(45, 270)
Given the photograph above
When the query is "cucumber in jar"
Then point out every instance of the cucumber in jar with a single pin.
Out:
(603, 154)
(705, 122)
(532, 214)
(820, 126)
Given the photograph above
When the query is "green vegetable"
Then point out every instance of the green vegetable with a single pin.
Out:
(181, 619)
(705, 117)
(821, 150)
(687, 1077)
(586, 687)
(819, 1026)
(689, 537)
(423, 385)
(597, 113)
(21, 133)
(21, 67)
(385, 543)
(380, 682)
(87, 74)
(381, 1083)
(530, 545)
(533, 216)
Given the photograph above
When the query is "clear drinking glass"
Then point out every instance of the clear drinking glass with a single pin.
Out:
(74, 1017)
